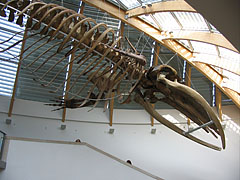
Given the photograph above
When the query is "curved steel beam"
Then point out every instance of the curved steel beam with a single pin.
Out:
(173, 45)
(164, 6)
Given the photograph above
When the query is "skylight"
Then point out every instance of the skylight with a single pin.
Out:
(167, 21)
(223, 60)
(131, 3)
(191, 21)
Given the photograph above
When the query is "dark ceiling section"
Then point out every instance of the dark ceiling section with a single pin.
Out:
(224, 15)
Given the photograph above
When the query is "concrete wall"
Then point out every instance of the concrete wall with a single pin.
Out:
(164, 154)
(48, 160)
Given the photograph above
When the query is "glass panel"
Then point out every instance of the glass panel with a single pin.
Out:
(167, 21)
(214, 29)
(149, 20)
(150, 1)
(228, 54)
(231, 81)
(185, 43)
(200, 47)
(217, 61)
(130, 3)
(191, 21)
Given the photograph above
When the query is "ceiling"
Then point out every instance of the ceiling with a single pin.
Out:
(224, 15)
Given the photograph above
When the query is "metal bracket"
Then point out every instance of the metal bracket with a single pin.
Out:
(199, 127)
(3, 164)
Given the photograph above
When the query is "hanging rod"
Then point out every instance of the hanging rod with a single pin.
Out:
(199, 127)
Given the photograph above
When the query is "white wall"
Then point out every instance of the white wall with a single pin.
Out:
(164, 154)
(28, 160)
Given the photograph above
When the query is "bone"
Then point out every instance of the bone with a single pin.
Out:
(83, 71)
(108, 70)
(90, 33)
(69, 76)
(55, 21)
(16, 43)
(90, 92)
(21, 6)
(29, 7)
(64, 25)
(8, 3)
(35, 49)
(46, 18)
(200, 104)
(99, 95)
(73, 30)
(148, 107)
(59, 61)
(47, 59)
(40, 11)
(89, 80)
(2, 12)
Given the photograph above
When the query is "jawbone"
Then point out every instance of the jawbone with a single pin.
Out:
(190, 103)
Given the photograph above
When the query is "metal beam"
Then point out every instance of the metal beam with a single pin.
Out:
(111, 107)
(155, 63)
(111, 104)
(199, 127)
(70, 71)
(82, 8)
(17, 75)
(219, 102)
(121, 31)
(163, 6)
(188, 83)
(188, 75)
(173, 45)
(67, 87)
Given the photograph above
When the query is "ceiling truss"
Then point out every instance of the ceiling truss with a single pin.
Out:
(170, 43)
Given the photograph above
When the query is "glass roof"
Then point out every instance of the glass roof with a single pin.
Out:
(128, 4)
(167, 21)
(231, 81)
(191, 21)
(131, 3)
(170, 21)
(223, 60)
(200, 47)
